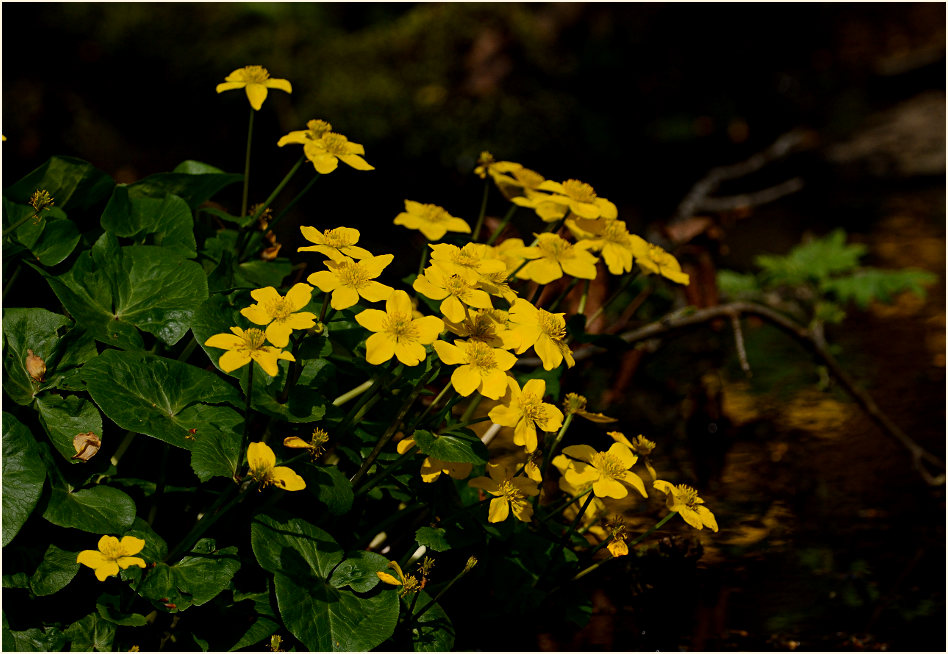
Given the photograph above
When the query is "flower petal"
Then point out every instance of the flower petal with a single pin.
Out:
(379, 348)
(256, 93)
(499, 510)
(286, 479)
(232, 360)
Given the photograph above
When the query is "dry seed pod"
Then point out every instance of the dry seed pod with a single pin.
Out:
(86, 445)
(35, 366)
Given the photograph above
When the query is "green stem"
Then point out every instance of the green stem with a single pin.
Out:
(355, 392)
(386, 437)
(213, 514)
(16, 225)
(129, 436)
(243, 200)
(602, 307)
(159, 486)
(245, 235)
(579, 516)
(246, 438)
(551, 451)
(591, 568)
(503, 224)
(424, 259)
(562, 296)
(16, 273)
(441, 593)
(563, 505)
(322, 310)
(471, 408)
(581, 309)
(480, 217)
(299, 196)
(188, 349)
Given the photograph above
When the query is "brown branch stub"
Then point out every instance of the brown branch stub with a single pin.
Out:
(739, 344)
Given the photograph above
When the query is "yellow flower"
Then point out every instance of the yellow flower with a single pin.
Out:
(618, 534)
(482, 367)
(326, 152)
(526, 411)
(608, 237)
(545, 331)
(263, 469)
(487, 165)
(281, 315)
(316, 445)
(431, 220)
(255, 80)
(604, 469)
(337, 243)
(397, 333)
(348, 280)
(471, 262)
(487, 326)
(685, 501)
(454, 290)
(244, 346)
(639, 445)
(596, 508)
(510, 493)
(572, 195)
(432, 468)
(654, 259)
(519, 182)
(313, 132)
(112, 555)
(575, 403)
(409, 584)
(552, 257)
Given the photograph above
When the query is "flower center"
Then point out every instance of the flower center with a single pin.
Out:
(574, 403)
(578, 190)
(510, 492)
(279, 309)
(686, 495)
(642, 445)
(481, 356)
(401, 327)
(337, 238)
(317, 128)
(456, 285)
(551, 324)
(255, 74)
(254, 340)
(554, 247)
(532, 407)
(607, 465)
(335, 143)
(351, 274)
(112, 550)
(432, 213)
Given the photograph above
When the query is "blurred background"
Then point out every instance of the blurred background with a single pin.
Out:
(829, 539)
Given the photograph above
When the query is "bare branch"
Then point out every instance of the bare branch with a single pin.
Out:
(732, 202)
(739, 344)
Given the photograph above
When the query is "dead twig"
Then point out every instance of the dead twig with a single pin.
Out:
(814, 343)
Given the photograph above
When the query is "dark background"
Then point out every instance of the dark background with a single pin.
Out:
(829, 540)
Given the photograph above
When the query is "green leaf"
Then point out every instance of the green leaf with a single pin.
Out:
(72, 182)
(358, 570)
(331, 487)
(23, 476)
(737, 286)
(265, 623)
(159, 397)
(109, 608)
(813, 261)
(98, 510)
(874, 284)
(432, 538)
(64, 417)
(191, 181)
(322, 617)
(47, 639)
(195, 580)
(167, 221)
(28, 329)
(55, 571)
(50, 238)
(217, 453)
(433, 631)
(91, 633)
(455, 448)
(111, 290)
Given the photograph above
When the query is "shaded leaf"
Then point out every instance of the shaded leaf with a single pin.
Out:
(98, 510)
(432, 631)
(23, 330)
(91, 633)
(455, 447)
(432, 538)
(73, 183)
(55, 571)
(64, 417)
(165, 221)
(23, 476)
(192, 181)
(358, 571)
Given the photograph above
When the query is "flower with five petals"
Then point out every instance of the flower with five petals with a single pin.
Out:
(246, 346)
(348, 280)
(685, 501)
(113, 554)
(606, 470)
(431, 220)
(327, 151)
(281, 315)
(255, 80)
(265, 471)
(337, 243)
(480, 367)
(397, 333)
(526, 411)
(510, 493)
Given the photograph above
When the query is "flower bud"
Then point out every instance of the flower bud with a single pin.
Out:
(35, 366)
(471, 562)
(86, 445)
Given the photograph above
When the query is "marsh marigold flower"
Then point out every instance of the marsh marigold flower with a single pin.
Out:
(554, 256)
(545, 331)
(265, 471)
(575, 403)
(656, 260)
(326, 152)
(572, 195)
(255, 80)
(113, 554)
(510, 493)
(454, 291)
(487, 326)
(397, 333)
(472, 261)
(431, 220)
(684, 500)
(337, 243)
(246, 346)
(313, 132)
(315, 446)
(280, 314)
(526, 411)
(606, 470)
(431, 468)
(480, 367)
(608, 237)
(348, 280)
(639, 445)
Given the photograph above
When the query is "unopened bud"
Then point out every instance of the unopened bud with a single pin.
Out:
(35, 366)
(86, 445)
(270, 253)
(471, 562)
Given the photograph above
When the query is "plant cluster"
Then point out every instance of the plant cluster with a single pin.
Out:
(328, 464)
